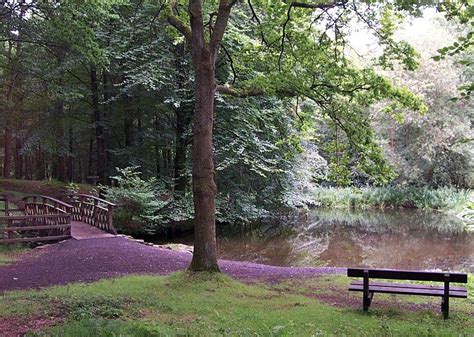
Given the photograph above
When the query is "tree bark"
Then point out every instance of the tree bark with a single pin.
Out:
(7, 161)
(180, 158)
(14, 79)
(40, 167)
(183, 119)
(101, 156)
(18, 159)
(204, 187)
(107, 115)
(70, 156)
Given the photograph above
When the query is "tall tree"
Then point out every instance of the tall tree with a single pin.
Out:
(301, 61)
(204, 54)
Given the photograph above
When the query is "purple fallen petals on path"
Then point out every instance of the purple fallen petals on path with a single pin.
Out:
(95, 259)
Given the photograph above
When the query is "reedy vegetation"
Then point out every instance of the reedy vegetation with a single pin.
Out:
(389, 197)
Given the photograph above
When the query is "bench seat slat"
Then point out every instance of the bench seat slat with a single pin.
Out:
(409, 291)
(407, 275)
(407, 285)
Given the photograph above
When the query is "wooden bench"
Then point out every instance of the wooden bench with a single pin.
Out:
(369, 288)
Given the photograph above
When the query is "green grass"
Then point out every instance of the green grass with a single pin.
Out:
(10, 253)
(210, 305)
(388, 197)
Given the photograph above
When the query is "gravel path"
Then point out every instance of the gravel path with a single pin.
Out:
(94, 259)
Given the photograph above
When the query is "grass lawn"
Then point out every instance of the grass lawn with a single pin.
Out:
(207, 304)
(9, 253)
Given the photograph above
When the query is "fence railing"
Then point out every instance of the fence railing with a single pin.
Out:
(43, 219)
(92, 210)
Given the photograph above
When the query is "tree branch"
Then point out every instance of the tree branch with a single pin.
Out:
(242, 93)
(254, 16)
(323, 6)
(231, 63)
(180, 26)
(326, 5)
(223, 14)
(226, 90)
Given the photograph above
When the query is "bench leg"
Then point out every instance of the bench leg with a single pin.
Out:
(367, 297)
(445, 307)
(367, 300)
(445, 302)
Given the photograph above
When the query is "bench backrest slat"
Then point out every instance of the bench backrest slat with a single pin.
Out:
(407, 275)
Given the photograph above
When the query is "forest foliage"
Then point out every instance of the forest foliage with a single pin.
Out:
(103, 92)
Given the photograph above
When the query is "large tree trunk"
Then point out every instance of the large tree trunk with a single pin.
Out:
(204, 187)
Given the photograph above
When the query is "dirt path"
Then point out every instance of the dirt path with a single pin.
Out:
(94, 259)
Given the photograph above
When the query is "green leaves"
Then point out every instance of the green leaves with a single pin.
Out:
(464, 14)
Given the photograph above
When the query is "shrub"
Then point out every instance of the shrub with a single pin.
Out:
(139, 200)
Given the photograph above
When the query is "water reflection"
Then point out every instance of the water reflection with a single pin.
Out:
(387, 239)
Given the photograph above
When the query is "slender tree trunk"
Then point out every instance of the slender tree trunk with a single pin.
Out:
(128, 122)
(180, 179)
(14, 79)
(40, 172)
(101, 157)
(8, 134)
(7, 161)
(18, 159)
(106, 120)
(70, 156)
(61, 168)
(183, 119)
(90, 158)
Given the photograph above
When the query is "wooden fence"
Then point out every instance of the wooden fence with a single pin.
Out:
(43, 219)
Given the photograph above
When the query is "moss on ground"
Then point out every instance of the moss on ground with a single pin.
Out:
(20, 188)
(213, 304)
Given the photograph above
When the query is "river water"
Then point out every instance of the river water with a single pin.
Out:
(405, 239)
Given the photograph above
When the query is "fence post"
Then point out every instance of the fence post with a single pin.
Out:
(110, 215)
